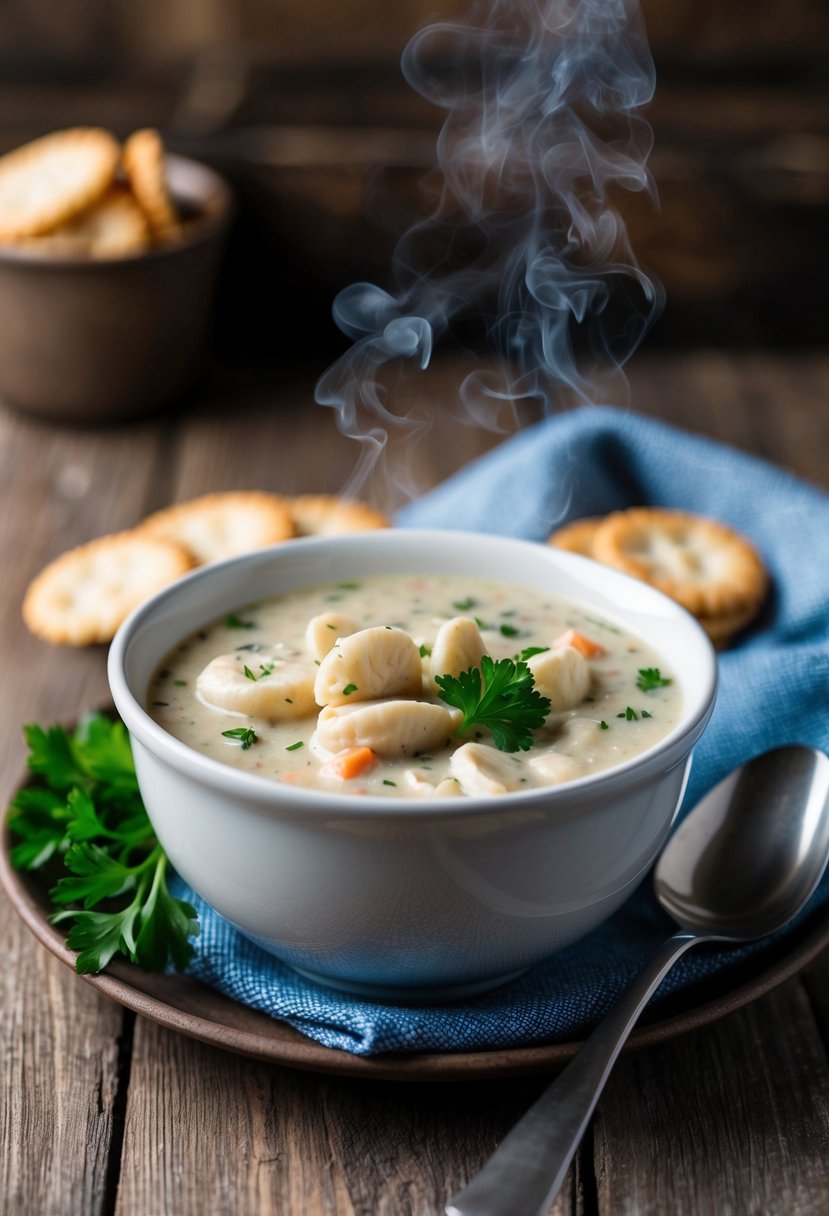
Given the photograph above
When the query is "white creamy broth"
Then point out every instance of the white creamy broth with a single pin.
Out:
(333, 688)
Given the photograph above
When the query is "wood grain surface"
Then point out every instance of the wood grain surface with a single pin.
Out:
(103, 1112)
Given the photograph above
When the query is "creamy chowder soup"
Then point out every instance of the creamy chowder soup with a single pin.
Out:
(339, 688)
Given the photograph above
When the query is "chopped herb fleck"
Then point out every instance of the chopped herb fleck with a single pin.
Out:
(265, 669)
(387, 782)
(630, 715)
(349, 689)
(645, 713)
(465, 605)
(245, 735)
(294, 746)
(650, 678)
(236, 622)
(349, 586)
(603, 725)
(179, 683)
(161, 702)
(509, 631)
(481, 624)
(425, 651)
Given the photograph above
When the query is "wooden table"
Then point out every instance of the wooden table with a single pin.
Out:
(104, 1112)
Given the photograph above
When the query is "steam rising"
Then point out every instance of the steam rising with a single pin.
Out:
(540, 136)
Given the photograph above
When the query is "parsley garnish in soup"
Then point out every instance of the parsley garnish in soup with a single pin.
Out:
(354, 698)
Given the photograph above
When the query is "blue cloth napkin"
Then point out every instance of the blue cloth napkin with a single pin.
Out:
(774, 690)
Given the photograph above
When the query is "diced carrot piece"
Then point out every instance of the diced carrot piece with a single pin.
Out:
(585, 647)
(349, 763)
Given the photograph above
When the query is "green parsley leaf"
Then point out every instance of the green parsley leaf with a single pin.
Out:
(650, 678)
(425, 651)
(245, 735)
(349, 689)
(630, 715)
(603, 725)
(499, 695)
(529, 651)
(84, 814)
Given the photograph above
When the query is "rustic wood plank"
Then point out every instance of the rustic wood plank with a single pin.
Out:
(731, 1119)
(59, 1082)
(201, 1123)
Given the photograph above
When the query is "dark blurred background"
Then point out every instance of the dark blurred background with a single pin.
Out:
(304, 107)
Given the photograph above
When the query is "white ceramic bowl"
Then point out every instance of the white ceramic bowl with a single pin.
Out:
(425, 898)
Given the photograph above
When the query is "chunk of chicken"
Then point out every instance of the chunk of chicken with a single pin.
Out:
(274, 689)
(390, 728)
(375, 662)
(415, 783)
(324, 630)
(561, 674)
(552, 768)
(458, 646)
(484, 770)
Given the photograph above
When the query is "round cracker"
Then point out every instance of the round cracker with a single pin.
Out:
(83, 596)
(706, 566)
(222, 525)
(327, 515)
(143, 161)
(114, 226)
(577, 537)
(47, 182)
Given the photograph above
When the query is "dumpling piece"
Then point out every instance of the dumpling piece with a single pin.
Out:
(375, 662)
(324, 630)
(269, 688)
(562, 675)
(484, 770)
(553, 768)
(458, 646)
(390, 728)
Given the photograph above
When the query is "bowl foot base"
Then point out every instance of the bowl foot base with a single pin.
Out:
(410, 994)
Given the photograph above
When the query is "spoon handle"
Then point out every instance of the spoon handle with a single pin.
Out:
(524, 1174)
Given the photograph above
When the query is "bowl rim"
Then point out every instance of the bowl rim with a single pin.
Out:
(565, 798)
(203, 229)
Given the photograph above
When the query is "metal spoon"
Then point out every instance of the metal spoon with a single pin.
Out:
(740, 866)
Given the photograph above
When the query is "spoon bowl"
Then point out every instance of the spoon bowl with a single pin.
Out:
(742, 864)
(751, 853)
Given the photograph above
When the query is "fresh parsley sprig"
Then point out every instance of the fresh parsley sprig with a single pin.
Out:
(84, 814)
(499, 695)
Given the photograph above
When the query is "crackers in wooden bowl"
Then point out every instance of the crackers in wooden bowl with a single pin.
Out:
(83, 596)
(708, 567)
(76, 193)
